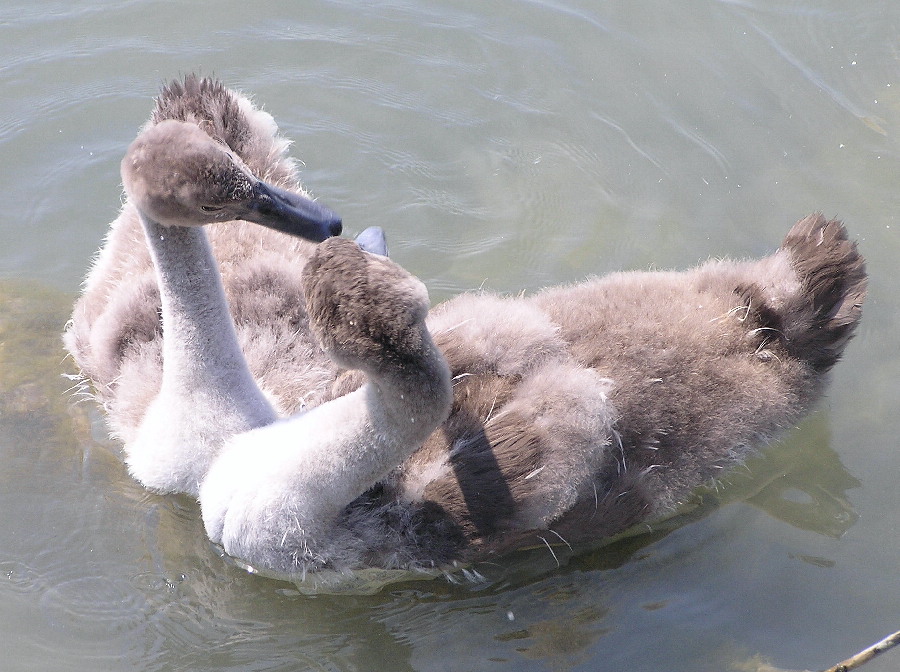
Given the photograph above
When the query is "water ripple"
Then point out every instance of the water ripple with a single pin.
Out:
(18, 577)
(93, 607)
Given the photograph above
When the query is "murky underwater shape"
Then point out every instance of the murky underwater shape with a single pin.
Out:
(507, 145)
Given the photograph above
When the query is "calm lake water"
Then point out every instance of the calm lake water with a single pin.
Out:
(509, 145)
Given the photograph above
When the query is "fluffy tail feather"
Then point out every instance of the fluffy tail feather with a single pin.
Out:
(819, 320)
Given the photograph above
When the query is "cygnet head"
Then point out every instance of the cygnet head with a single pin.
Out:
(367, 312)
(177, 175)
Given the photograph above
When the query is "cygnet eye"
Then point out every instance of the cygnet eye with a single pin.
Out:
(210, 208)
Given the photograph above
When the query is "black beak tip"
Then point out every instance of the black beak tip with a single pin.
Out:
(335, 227)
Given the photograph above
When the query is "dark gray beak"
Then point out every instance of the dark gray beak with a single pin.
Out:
(291, 213)
(373, 240)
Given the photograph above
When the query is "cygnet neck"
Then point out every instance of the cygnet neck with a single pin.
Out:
(295, 477)
(384, 422)
(202, 358)
(198, 331)
(404, 398)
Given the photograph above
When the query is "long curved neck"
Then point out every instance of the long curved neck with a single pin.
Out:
(385, 421)
(200, 343)
(322, 460)
(208, 393)
(404, 405)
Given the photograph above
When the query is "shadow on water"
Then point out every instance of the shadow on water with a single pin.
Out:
(100, 568)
